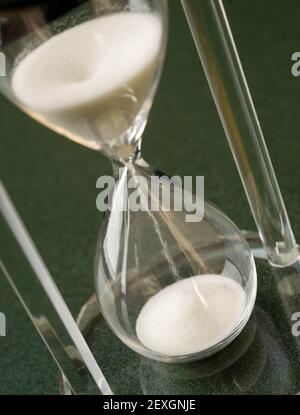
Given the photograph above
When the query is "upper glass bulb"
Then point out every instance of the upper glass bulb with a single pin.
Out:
(91, 74)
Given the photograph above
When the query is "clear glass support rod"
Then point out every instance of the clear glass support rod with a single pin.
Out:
(30, 279)
(218, 53)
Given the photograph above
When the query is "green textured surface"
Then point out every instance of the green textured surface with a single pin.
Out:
(52, 181)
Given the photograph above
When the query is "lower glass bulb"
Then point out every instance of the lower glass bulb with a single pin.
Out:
(170, 289)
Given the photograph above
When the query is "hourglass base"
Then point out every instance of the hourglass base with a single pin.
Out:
(263, 359)
(259, 251)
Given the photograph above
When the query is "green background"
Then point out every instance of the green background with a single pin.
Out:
(52, 181)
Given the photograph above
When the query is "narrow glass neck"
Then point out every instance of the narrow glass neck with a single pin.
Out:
(128, 155)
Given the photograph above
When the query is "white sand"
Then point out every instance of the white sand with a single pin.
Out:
(91, 80)
(191, 315)
(88, 62)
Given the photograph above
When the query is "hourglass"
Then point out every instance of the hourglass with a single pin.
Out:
(171, 289)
